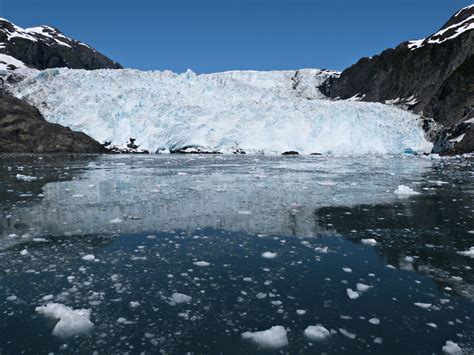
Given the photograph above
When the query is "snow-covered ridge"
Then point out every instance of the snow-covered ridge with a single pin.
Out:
(44, 33)
(448, 32)
(269, 112)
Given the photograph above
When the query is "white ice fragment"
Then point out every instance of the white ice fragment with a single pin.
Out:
(269, 255)
(24, 252)
(423, 305)
(403, 190)
(369, 241)
(352, 294)
(201, 263)
(72, 322)
(374, 321)
(316, 332)
(245, 212)
(469, 253)
(116, 220)
(300, 312)
(25, 177)
(347, 269)
(451, 348)
(180, 298)
(134, 304)
(88, 257)
(362, 287)
(270, 339)
(261, 295)
(347, 333)
(12, 298)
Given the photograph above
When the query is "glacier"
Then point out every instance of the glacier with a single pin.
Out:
(259, 112)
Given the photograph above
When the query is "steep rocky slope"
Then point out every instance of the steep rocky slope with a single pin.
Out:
(23, 129)
(433, 76)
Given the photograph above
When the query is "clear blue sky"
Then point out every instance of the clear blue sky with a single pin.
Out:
(218, 35)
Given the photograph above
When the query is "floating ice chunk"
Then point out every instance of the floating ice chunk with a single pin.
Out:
(452, 348)
(432, 325)
(469, 252)
(316, 332)
(405, 191)
(245, 212)
(177, 298)
(134, 304)
(352, 294)
(261, 295)
(347, 333)
(47, 298)
(374, 321)
(269, 255)
(77, 196)
(116, 220)
(409, 259)
(72, 322)
(423, 305)
(300, 312)
(24, 252)
(369, 241)
(88, 257)
(347, 269)
(378, 340)
(362, 287)
(201, 263)
(12, 298)
(25, 177)
(271, 339)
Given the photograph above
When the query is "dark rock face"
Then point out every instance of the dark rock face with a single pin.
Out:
(24, 130)
(433, 77)
(46, 47)
(290, 152)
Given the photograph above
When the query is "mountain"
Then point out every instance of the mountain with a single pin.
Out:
(272, 112)
(22, 128)
(433, 77)
(46, 47)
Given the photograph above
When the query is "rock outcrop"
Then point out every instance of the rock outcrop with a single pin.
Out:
(24, 130)
(433, 77)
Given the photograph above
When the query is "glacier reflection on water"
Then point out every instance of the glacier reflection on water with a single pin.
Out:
(148, 219)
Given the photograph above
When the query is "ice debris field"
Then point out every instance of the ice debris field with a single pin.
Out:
(258, 112)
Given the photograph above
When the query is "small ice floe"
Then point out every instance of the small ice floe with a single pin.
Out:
(116, 220)
(182, 173)
(12, 298)
(88, 257)
(403, 190)
(201, 263)
(300, 312)
(469, 253)
(316, 333)
(47, 297)
(177, 298)
(134, 304)
(423, 305)
(72, 322)
(24, 252)
(451, 348)
(352, 294)
(362, 287)
(270, 339)
(369, 241)
(261, 295)
(378, 340)
(432, 325)
(77, 196)
(347, 269)
(25, 177)
(374, 321)
(347, 333)
(245, 212)
(269, 255)
(322, 250)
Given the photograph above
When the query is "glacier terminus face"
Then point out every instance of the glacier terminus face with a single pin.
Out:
(259, 112)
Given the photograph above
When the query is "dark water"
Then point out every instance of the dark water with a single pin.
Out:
(147, 220)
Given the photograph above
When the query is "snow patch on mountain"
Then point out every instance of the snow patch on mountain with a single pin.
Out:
(7, 62)
(269, 112)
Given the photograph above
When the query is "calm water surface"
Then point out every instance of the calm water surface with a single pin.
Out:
(198, 226)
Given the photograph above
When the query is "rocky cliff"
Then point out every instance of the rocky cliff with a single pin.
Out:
(433, 76)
